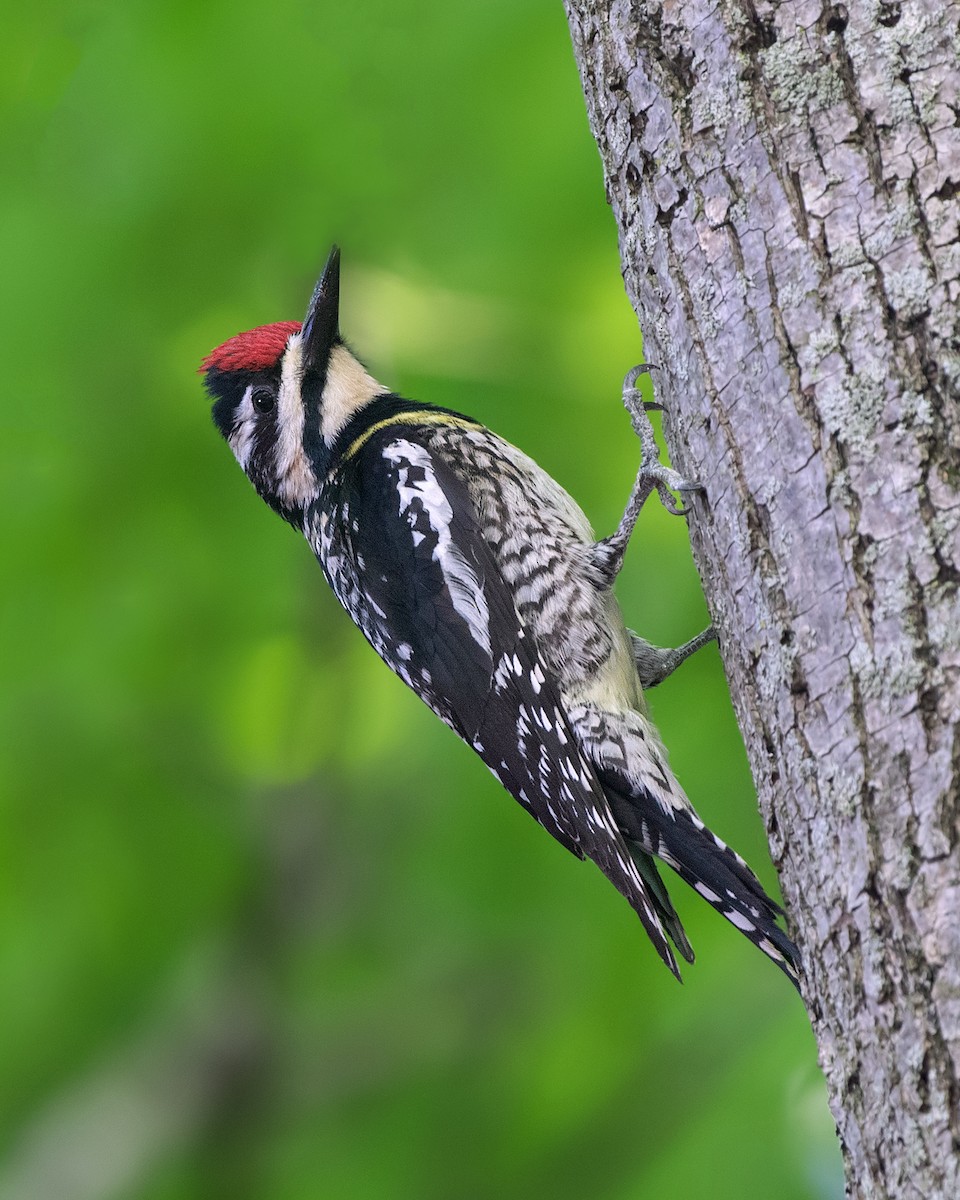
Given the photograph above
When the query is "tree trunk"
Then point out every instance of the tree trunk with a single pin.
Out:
(784, 177)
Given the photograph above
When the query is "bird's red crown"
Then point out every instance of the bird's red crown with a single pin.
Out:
(254, 350)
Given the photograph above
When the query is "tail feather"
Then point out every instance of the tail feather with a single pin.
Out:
(648, 907)
(660, 897)
(710, 867)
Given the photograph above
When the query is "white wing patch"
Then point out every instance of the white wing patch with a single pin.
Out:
(419, 492)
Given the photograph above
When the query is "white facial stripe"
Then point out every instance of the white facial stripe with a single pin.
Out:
(295, 478)
(289, 408)
(348, 389)
(241, 439)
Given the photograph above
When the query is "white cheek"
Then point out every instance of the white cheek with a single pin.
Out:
(290, 415)
(241, 439)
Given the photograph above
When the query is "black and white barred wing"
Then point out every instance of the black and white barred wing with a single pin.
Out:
(405, 555)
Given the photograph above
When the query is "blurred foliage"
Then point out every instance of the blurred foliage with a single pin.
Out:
(266, 928)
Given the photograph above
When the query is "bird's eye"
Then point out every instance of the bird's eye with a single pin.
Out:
(263, 400)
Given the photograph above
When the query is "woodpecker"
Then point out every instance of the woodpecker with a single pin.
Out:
(478, 580)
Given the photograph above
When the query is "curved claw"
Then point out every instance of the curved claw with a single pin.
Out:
(666, 481)
(668, 502)
(634, 374)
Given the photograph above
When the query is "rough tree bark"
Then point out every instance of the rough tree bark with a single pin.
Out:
(785, 177)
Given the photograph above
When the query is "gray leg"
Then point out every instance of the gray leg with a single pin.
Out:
(654, 663)
(652, 475)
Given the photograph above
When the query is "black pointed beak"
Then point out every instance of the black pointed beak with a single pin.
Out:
(321, 328)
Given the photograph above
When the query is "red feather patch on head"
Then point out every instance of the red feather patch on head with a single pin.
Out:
(254, 350)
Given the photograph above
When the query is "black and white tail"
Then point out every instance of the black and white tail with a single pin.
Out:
(680, 839)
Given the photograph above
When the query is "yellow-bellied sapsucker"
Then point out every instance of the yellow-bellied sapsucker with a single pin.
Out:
(478, 580)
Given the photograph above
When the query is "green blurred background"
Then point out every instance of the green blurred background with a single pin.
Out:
(267, 929)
